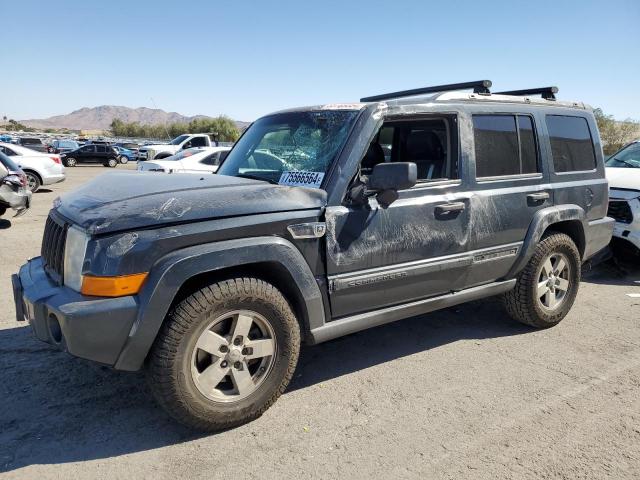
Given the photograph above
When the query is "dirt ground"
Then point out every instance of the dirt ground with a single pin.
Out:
(462, 393)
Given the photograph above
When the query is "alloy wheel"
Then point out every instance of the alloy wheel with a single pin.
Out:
(32, 182)
(233, 356)
(553, 281)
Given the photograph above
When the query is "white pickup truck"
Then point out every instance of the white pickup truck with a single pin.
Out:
(181, 142)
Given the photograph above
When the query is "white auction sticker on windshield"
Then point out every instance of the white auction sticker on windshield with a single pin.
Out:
(301, 179)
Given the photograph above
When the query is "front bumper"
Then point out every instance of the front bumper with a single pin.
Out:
(93, 328)
(19, 200)
(630, 231)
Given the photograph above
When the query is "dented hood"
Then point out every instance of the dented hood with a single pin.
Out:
(132, 200)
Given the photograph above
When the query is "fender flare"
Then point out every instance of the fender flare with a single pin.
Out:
(170, 272)
(542, 220)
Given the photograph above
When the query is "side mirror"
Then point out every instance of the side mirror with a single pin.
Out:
(387, 178)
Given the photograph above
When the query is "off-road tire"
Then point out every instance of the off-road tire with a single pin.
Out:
(522, 304)
(169, 362)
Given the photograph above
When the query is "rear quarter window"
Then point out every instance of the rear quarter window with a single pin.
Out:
(571, 143)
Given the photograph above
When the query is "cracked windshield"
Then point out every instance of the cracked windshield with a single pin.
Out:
(294, 148)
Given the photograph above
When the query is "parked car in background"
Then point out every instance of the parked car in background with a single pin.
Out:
(193, 160)
(124, 154)
(40, 168)
(6, 138)
(623, 173)
(61, 146)
(181, 142)
(13, 191)
(128, 145)
(32, 143)
(91, 153)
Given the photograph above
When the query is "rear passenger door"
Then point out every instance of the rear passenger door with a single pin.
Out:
(87, 154)
(102, 152)
(510, 185)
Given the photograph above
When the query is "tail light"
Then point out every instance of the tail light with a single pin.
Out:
(18, 179)
(56, 159)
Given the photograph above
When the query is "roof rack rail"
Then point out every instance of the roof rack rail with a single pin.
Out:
(480, 86)
(548, 93)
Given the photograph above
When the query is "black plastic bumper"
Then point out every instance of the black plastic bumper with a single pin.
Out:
(93, 328)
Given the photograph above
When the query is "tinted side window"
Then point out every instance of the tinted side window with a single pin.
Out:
(496, 141)
(212, 159)
(101, 149)
(505, 145)
(7, 151)
(571, 143)
(198, 142)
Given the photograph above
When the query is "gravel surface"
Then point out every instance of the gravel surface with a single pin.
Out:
(461, 393)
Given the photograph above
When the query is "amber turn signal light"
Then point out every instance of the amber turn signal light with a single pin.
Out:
(112, 286)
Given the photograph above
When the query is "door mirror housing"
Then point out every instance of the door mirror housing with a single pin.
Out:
(393, 176)
(387, 178)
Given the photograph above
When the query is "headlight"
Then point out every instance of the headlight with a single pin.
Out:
(74, 252)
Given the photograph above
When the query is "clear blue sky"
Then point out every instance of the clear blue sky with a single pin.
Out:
(247, 58)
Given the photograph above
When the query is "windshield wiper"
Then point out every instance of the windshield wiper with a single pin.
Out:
(626, 162)
(256, 177)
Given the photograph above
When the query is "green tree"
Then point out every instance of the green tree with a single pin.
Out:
(221, 128)
(615, 134)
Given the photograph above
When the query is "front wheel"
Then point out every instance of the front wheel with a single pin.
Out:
(123, 159)
(547, 287)
(70, 162)
(112, 163)
(224, 354)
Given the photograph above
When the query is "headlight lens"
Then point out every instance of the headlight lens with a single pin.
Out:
(74, 252)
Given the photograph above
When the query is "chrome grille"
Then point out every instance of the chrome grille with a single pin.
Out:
(52, 250)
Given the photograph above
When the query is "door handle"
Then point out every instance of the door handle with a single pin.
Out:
(449, 208)
(538, 197)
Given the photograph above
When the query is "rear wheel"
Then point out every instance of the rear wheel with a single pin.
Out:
(33, 182)
(546, 289)
(224, 354)
(123, 159)
(70, 162)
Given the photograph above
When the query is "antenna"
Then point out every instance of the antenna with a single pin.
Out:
(480, 86)
(164, 124)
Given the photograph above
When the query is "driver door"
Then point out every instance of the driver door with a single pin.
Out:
(414, 249)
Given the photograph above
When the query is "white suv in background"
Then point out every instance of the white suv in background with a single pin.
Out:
(192, 160)
(623, 173)
(40, 168)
